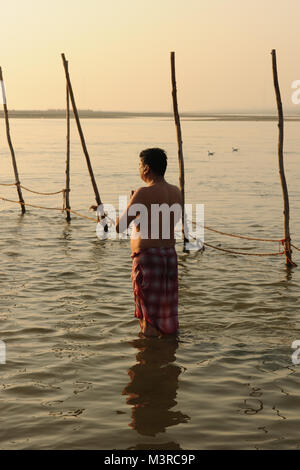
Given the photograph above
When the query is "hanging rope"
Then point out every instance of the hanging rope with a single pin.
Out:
(32, 205)
(243, 253)
(63, 191)
(63, 209)
(93, 219)
(81, 215)
(239, 236)
(242, 236)
(298, 249)
(38, 192)
(31, 190)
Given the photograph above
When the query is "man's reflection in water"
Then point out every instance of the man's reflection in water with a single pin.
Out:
(153, 386)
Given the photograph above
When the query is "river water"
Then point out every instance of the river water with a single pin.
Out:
(77, 374)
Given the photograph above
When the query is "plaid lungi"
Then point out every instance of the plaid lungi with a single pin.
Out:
(155, 287)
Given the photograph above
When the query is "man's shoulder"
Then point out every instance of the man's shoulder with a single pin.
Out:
(139, 195)
(141, 191)
(147, 193)
(174, 187)
(175, 193)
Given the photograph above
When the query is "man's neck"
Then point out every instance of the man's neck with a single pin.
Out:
(159, 179)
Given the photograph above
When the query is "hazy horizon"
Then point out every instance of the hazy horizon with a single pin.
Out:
(289, 111)
(119, 54)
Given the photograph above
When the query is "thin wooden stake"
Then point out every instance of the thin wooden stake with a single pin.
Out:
(179, 142)
(14, 162)
(286, 212)
(68, 152)
(84, 147)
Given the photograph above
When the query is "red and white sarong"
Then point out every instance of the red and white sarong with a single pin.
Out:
(155, 287)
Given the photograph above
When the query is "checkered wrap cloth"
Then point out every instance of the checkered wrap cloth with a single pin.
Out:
(155, 287)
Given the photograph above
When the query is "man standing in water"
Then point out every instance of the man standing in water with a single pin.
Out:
(154, 209)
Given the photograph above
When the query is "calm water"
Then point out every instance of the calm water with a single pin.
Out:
(77, 373)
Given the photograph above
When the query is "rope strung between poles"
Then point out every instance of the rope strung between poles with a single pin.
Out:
(64, 209)
(282, 242)
(38, 192)
(241, 253)
(239, 236)
(242, 236)
(51, 208)
(81, 215)
(31, 190)
(244, 253)
(286, 243)
(298, 249)
(33, 205)
(93, 219)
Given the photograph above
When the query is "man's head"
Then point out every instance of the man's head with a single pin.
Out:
(153, 162)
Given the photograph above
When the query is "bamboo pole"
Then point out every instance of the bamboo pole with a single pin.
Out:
(179, 142)
(286, 211)
(67, 194)
(14, 162)
(84, 147)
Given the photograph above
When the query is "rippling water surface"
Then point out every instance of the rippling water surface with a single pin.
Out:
(77, 375)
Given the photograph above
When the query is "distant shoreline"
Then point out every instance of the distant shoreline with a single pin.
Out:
(88, 114)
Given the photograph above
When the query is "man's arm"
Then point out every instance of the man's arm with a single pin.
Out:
(125, 220)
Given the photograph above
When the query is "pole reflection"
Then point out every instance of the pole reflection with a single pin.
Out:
(153, 386)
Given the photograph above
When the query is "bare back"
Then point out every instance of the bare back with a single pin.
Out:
(157, 198)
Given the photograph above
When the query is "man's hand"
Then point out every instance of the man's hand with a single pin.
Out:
(125, 219)
(104, 214)
(94, 208)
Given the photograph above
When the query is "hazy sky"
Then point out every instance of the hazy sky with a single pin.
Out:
(119, 53)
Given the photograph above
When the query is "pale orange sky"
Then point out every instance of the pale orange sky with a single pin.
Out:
(119, 53)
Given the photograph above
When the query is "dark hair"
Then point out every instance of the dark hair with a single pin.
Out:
(156, 158)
